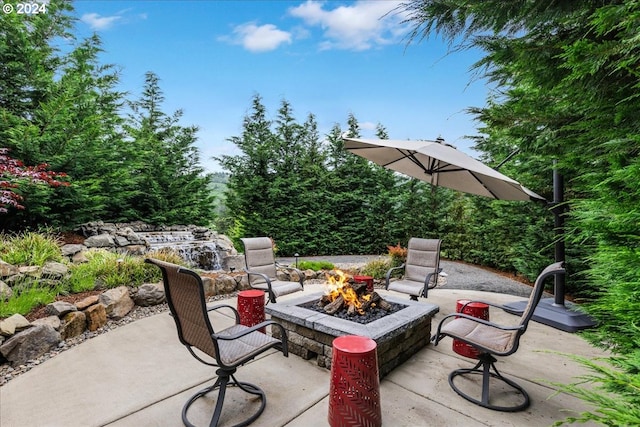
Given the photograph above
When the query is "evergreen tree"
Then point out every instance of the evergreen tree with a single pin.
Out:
(174, 187)
(568, 78)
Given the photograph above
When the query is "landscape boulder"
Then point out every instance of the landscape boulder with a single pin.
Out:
(73, 324)
(150, 294)
(5, 291)
(96, 317)
(60, 308)
(30, 344)
(12, 324)
(117, 302)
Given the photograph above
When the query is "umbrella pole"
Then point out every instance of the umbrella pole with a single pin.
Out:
(553, 311)
(558, 223)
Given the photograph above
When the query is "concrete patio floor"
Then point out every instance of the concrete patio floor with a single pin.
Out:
(140, 375)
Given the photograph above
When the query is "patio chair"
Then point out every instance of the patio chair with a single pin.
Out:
(421, 267)
(492, 339)
(228, 348)
(262, 269)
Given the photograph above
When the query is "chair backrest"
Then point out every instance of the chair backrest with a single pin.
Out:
(185, 297)
(259, 258)
(538, 289)
(423, 257)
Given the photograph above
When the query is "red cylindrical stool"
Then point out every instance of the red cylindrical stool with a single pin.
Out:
(475, 309)
(354, 394)
(365, 279)
(251, 307)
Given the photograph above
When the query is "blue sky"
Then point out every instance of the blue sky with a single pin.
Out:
(329, 58)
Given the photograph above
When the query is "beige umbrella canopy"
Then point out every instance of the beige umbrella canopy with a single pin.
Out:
(440, 164)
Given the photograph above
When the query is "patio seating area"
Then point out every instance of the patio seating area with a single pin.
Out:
(140, 374)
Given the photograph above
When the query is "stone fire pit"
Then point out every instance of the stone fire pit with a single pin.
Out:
(398, 335)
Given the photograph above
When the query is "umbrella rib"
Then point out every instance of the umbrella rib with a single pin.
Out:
(495, 196)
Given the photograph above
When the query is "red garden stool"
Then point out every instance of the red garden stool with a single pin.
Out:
(365, 279)
(354, 394)
(475, 309)
(251, 307)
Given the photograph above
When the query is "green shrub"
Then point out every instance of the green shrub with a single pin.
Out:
(30, 248)
(105, 269)
(25, 299)
(315, 265)
(377, 268)
(613, 389)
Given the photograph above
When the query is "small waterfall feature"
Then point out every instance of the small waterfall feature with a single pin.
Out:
(194, 249)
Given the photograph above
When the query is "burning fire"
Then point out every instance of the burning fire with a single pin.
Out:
(341, 287)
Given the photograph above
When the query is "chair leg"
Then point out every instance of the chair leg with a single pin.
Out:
(483, 367)
(226, 379)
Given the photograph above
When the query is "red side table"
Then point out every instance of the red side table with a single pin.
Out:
(354, 393)
(475, 309)
(251, 307)
(365, 279)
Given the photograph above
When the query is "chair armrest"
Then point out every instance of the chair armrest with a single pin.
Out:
(388, 275)
(219, 306)
(272, 296)
(492, 304)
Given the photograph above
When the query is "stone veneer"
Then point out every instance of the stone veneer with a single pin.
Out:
(398, 335)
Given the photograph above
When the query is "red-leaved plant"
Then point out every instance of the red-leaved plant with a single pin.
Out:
(12, 171)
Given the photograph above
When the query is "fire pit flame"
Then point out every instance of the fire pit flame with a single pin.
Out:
(340, 293)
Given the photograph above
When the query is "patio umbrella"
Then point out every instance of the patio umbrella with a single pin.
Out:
(440, 164)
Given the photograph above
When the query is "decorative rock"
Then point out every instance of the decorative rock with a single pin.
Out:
(7, 269)
(59, 308)
(53, 321)
(209, 286)
(30, 344)
(96, 317)
(136, 249)
(233, 263)
(79, 258)
(121, 240)
(100, 241)
(30, 270)
(74, 324)
(117, 302)
(150, 294)
(70, 250)
(54, 270)
(5, 291)
(14, 323)
(225, 284)
(93, 299)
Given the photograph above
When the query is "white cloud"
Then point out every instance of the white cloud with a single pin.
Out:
(261, 38)
(97, 22)
(361, 26)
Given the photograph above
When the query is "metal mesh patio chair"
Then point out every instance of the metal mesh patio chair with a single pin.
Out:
(262, 269)
(229, 348)
(492, 339)
(421, 268)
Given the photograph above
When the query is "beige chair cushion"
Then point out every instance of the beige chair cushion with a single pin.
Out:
(496, 340)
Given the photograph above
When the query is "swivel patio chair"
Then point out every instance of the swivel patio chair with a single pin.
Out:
(492, 339)
(262, 269)
(421, 269)
(229, 348)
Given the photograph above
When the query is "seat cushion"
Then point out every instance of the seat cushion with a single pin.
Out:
(243, 348)
(410, 287)
(495, 340)
(279, 287)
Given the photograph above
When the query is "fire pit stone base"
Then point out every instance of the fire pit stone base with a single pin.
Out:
(398, 335)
